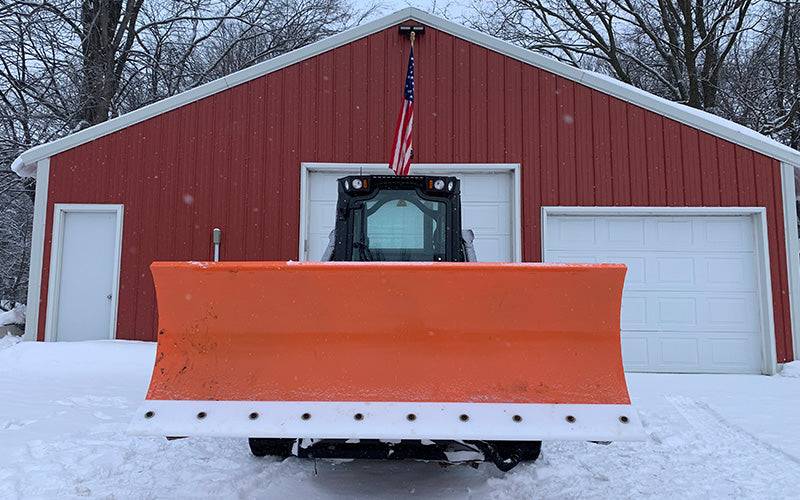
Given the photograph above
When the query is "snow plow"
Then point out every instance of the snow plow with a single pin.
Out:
(397, 349)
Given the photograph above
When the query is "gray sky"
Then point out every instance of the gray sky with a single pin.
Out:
(450, 9)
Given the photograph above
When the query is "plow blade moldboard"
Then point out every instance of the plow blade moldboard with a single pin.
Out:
(389, 351)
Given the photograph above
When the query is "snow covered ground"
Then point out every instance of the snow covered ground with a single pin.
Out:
(10, 319)
(64, 409)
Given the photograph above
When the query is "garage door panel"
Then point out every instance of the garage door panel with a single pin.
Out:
(675, 352)
(656, 311)
(731, 271)
(633, 313)
(325, 217)
(690, 301)
(635, 355)
(324, 187)
(676, 311)
(671, 271)
(486, 218)
(491, 185)
(733, 311)
(637, 266)
(732, 233)
(626, 231)
(317, 243)
(677, 232)
(699, 271)
(635, 263)
(572, 233)
(733, 354)
(488, 246)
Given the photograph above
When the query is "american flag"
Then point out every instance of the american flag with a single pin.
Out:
(401, 150)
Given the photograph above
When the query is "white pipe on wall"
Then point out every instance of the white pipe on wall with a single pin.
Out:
(217, 238)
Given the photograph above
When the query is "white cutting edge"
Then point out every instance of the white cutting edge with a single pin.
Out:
(389, 420)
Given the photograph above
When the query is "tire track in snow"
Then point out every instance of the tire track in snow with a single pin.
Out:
(708, 421)
(691, 453)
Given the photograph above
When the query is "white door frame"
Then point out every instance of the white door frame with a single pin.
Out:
(416, 168)
(763, 277)
(60, 211)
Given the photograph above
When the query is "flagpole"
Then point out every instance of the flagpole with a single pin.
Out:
(400, 157)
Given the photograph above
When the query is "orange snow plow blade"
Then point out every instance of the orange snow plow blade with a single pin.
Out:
(389, 350)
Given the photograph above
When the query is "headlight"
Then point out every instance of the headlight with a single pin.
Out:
(357, 184)
(439, 184)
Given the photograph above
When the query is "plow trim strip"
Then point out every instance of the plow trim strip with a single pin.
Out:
(370, 420)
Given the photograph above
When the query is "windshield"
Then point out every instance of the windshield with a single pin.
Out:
(397, 225)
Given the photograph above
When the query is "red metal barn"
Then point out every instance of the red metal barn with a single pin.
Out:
(557, 164)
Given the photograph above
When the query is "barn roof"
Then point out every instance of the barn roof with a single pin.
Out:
(25, 164)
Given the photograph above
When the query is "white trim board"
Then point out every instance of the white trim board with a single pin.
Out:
(792, 251)
(416, 169)
(54, 282)
(37, 251)
(25, 164)
(763, 276)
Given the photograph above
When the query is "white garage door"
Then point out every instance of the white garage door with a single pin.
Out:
(487, 209)
(691, 299)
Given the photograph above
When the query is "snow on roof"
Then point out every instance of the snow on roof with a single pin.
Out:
(25, 164)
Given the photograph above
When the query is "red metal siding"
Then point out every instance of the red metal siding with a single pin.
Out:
(232, 160)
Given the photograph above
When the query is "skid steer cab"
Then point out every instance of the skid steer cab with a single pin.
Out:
(389, 218)
(401, 347)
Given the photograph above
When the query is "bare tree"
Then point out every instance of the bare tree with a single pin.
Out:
(762, 85)
(66, 65)
(16, 219)
(674, 48)
(184, 53)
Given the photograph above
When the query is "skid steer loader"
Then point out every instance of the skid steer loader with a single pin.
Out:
(401, 347)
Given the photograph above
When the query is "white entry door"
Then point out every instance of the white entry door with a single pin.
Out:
(84, 276)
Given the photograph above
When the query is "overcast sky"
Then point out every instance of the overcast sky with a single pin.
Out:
(451, 9)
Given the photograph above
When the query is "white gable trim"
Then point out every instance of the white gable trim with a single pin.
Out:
(24, 165)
